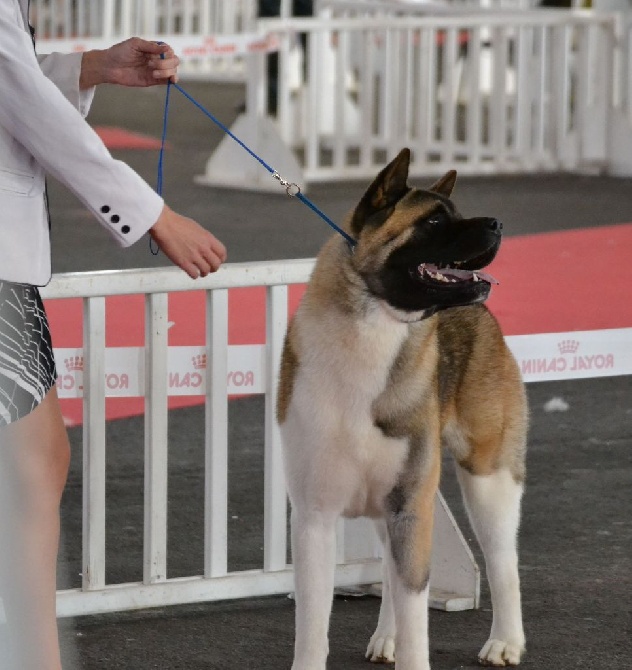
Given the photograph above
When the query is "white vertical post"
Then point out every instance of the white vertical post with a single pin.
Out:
(450, 95)
(126, 26)
(156, 442)
(149, 17)
(498, 97)
(205, 18)
(108, 19)
(473, 98)
(426, 100)
(275, 498)
(541, 93)
(523, 96)
(216, 436)
(285, 11)
(93, 575)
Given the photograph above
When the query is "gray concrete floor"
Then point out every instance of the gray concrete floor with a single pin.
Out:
(576, 537)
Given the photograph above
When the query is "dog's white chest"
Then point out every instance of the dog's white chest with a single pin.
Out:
(333, 448)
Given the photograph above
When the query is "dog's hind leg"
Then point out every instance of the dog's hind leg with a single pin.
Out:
(493, 505)
(314, 558)
(381, 647)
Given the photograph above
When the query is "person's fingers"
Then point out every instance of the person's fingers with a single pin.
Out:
(149, 47)
(218, 250)
(204, 263)
(167, 68)
(191, 269)
(187, 244)
(170, 60)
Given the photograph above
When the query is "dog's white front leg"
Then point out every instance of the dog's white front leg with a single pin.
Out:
(314, 556)
(493, 505)
(381, 647)
(411, 621)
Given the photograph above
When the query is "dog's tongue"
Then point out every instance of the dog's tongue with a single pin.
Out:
(455, 273)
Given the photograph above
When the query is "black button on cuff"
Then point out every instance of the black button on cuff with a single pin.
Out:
(115, 218)
(125, 229)
(105, 209)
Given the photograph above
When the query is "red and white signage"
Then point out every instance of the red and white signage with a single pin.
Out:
(188, 47)
(576, 355)
(186, 371)
(545, 357)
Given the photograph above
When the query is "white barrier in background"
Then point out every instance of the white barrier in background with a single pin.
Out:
(78, 25)
(483, 93)
(441, 86)
(482, 89)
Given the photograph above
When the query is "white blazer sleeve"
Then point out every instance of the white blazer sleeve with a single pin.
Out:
(64, 71)
(38, 116)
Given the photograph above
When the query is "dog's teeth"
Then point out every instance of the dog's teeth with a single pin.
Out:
(476, 277)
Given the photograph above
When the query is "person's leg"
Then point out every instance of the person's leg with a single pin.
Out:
(34, 458)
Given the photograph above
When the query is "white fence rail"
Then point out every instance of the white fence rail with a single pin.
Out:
(122, 18)
(502, 93)
(455, 576)
(455, 581)
(199, 27)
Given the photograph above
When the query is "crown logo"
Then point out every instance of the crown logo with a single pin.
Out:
(568, 346)
(74, 364)
(199, 362)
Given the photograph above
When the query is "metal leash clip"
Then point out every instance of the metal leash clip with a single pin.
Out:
(291, 188)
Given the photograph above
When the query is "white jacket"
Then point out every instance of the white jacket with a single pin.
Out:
(42, 130)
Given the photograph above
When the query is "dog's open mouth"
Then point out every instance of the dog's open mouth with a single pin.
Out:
(449, 274)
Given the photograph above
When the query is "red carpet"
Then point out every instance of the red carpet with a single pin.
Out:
(119, 138)
(553, 282)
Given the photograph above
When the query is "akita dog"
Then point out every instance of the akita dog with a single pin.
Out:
(391, 357)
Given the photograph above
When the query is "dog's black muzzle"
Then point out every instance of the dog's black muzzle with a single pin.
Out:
(439, 270)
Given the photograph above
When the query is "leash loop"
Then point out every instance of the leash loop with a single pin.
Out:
(291, 188)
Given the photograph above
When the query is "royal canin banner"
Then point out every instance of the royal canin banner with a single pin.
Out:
(188, 47)
(545, 357)
(186, 371)
(576, 355)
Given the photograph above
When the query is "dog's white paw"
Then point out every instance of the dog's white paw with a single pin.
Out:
(381, 648)
(500, 653)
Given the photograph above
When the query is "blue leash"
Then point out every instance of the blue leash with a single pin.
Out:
(291, 189)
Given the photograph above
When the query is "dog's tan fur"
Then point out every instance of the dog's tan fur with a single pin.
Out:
(450, 381)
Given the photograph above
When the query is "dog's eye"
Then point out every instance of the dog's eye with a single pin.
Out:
(435, 219)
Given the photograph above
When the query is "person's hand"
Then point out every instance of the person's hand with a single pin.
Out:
(187, 244)
(134, 62)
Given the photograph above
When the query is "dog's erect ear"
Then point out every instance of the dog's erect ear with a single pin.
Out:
(444, 185)
(388, 188)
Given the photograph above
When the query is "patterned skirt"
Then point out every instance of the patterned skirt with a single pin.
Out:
(27, 365)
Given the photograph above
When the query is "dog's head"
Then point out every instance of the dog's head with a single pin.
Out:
(414, 250)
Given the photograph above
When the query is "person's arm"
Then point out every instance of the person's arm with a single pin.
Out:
(64, 70)
(35, 112)
(134, 62)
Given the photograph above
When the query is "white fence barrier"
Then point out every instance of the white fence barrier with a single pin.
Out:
(481, 93)
(152, 371)
(455, 580)
(209, 34)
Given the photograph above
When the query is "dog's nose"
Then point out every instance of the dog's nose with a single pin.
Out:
(495, 225)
